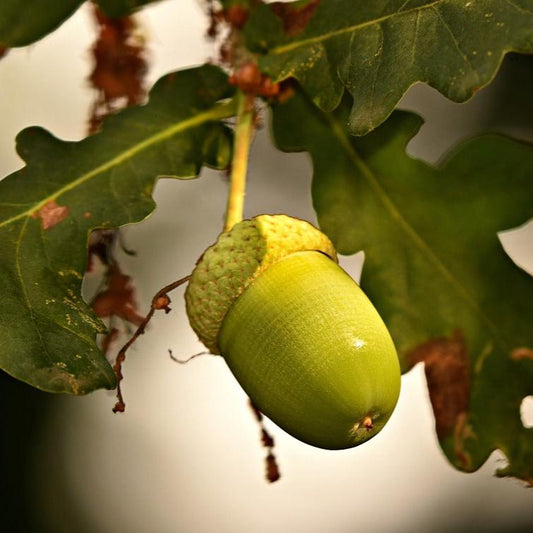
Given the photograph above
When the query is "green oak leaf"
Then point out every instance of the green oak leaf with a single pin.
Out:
(67, 189)
(434, 266)
(23, 23)
(377, 50)
(122, 8)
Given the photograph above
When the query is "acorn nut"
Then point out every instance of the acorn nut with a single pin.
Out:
(298, 333)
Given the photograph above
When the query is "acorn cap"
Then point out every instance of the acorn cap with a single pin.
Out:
(236, 259)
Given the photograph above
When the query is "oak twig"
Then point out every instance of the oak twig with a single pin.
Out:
(160, 301)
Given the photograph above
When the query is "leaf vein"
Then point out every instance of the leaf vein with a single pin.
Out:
(379, 55)
(217, 112)
(411, 233)
(401, 8)
(416, 32)
(284, 48)
(518, 8)
(455, 41)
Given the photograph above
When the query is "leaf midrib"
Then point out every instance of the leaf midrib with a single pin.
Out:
(418, 241)
(282, 49)
(218, 112)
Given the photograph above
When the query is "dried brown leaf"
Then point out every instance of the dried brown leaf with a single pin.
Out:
(294, 19)
(118, 299)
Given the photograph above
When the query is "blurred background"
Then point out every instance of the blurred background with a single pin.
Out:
(186, 455)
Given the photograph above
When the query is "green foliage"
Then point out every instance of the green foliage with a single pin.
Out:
(434, 266)
(48, 208)
(377, 50)
(23, 23)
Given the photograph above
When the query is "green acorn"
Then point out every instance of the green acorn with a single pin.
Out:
(298, 333)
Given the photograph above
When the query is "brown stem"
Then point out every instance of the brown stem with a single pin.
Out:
(271, 464)
(159, 301)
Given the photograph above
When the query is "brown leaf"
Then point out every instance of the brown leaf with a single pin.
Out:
(236, 16)
(51, 214)
(118, 299)
(447, 371)
(294, 19)
(119, 65)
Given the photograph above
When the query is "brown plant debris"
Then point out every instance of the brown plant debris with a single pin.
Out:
(119, 67)
(295, 19)
(272, 472)
(160, 301)
(101, 242)
(235, 16)
(447, 371)
(51, 214)
(252, 81)
(3, 51)
(118, 299)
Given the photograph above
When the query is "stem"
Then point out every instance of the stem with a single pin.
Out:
(239, 164)
(159, 301)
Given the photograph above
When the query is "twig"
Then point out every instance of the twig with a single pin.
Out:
(159, 301)
(185, 361)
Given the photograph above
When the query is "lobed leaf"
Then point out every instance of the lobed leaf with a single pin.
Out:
(434, 266)
(377, 50)
(67, 189)
(22, 23)
(122, 8)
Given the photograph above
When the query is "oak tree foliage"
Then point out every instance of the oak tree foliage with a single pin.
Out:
(331, 73)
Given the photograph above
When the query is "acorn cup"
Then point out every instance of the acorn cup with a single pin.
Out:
(298, 333)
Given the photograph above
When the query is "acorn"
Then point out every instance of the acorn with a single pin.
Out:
(299, 335)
